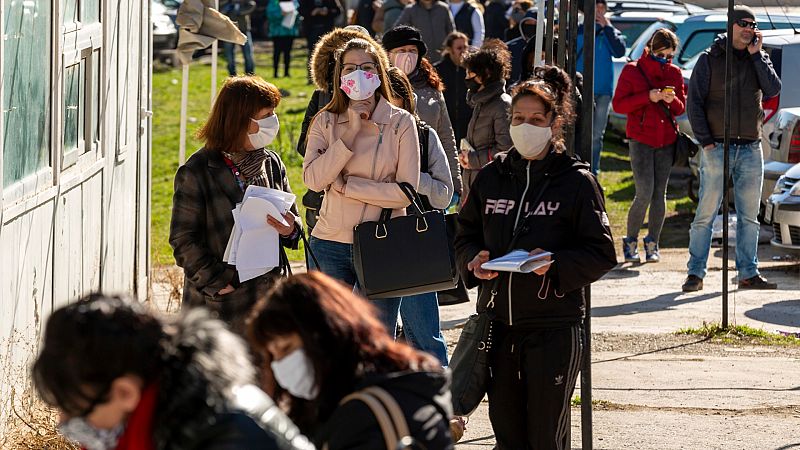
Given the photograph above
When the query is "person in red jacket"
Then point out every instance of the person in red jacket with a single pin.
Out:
(651, 92)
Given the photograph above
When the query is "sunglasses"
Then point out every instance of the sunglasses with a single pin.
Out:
(745, 24)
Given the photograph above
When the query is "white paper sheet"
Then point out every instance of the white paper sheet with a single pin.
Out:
(255, 211)
(517, 261)
(258, 248)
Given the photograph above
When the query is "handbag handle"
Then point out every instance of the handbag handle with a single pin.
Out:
(388, 414)
(416, 210)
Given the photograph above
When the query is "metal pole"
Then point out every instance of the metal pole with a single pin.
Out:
(184, 101)
(548, 51)
(214, 53)
(586, 155)
(726, 165)
(562, 40)
(537, 52)
(570, 34)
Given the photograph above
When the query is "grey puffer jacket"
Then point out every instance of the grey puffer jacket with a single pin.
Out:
(488, 131)
(434, 25)
(432, 109)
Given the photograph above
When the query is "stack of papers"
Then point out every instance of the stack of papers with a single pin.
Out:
(518, 261)
(254, 246)
(291, 14)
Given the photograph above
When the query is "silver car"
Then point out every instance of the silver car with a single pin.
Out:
(783, 210)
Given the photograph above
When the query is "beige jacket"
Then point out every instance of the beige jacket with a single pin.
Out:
(360, 181)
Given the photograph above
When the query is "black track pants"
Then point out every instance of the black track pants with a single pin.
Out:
(533, 378)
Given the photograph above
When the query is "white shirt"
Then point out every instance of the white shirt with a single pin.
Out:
(478, 28)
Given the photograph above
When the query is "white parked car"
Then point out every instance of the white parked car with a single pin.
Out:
(783, 210)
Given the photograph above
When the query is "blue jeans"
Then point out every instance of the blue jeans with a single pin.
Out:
(747, 173)
(336, 260)
(420, 314)
(247, 49)
(602, 105)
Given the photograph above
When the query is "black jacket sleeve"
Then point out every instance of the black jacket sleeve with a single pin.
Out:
(616, 40)
(767, 78)
(695, 101)
(469, 237)
(593, 253)
(311, 111)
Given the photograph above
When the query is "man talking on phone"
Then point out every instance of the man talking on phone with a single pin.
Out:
(754, 79)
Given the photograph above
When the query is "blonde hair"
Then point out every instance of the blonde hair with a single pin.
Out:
(340, 101)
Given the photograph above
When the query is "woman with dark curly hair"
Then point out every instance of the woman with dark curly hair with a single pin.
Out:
(487, 132)
(407, 52)
(554, 206)
(325, 344)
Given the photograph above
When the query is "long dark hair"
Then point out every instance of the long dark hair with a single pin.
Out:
(430, 75)
(341, 334)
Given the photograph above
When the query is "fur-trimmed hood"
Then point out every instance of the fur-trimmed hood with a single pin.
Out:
(322, 57)
(204, 364)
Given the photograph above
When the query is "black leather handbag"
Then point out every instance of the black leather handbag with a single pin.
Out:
(459, 293)
(401, 256)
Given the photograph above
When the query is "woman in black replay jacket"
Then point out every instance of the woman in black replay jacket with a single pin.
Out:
(537, 330)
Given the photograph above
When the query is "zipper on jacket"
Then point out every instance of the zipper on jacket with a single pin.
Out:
(516, 221)
(374, 163)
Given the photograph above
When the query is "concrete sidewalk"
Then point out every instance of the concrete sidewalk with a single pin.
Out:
(687, 396)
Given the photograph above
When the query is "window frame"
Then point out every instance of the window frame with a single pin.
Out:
(41, 182)
(79, 42)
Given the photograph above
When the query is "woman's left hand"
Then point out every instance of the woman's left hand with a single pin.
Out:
(283, 230)
(541, 270)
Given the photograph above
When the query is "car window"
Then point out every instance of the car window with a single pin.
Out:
(631, 29)
(638, 47)
(696, 43)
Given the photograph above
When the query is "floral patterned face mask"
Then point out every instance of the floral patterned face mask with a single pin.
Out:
(360, 85)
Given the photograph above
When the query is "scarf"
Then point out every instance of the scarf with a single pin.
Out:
(251, 166)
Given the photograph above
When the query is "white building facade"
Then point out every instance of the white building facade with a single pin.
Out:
(74, 164)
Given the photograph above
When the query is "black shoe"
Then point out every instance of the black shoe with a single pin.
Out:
(757, 282)
(693, 283)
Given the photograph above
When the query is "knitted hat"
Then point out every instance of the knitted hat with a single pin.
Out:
(404, 35)
(741, 12)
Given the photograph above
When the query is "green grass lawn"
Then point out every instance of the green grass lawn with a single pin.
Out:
(615, 177)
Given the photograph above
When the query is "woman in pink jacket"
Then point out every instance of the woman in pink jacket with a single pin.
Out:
(359, 147)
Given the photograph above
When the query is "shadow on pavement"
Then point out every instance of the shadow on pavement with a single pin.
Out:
(785, 313)
(660, 303)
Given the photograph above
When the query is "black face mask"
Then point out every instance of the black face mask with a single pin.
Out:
(472, 85)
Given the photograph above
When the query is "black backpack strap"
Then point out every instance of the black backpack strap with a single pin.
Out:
(423, 131)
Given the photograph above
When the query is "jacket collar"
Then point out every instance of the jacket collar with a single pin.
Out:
(382, 114)
(489, 92)
(222, 176)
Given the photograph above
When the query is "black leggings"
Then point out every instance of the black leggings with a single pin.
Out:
(283, 46)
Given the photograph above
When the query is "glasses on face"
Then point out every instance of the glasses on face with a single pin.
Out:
(665, 55)
(745, 24)
(366, 67)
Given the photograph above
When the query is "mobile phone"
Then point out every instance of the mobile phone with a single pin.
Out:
(668, 89)
(755, 40)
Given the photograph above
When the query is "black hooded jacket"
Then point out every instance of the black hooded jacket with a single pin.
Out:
(569, 220)
(424, 398)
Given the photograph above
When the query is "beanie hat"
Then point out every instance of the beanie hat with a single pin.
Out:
(741, 12)
(404, 35)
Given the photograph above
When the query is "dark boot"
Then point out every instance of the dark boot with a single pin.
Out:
(693, 283)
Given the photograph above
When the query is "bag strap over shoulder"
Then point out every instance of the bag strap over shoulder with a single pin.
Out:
(387, 412)
(663, 106)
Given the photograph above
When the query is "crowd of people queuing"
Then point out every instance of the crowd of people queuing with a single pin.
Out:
(419, 105)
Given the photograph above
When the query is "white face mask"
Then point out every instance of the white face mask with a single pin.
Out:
(78, 429)
(267, 130)
(360, 85)
(295, 373)
(405, 61)
(530, 140)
